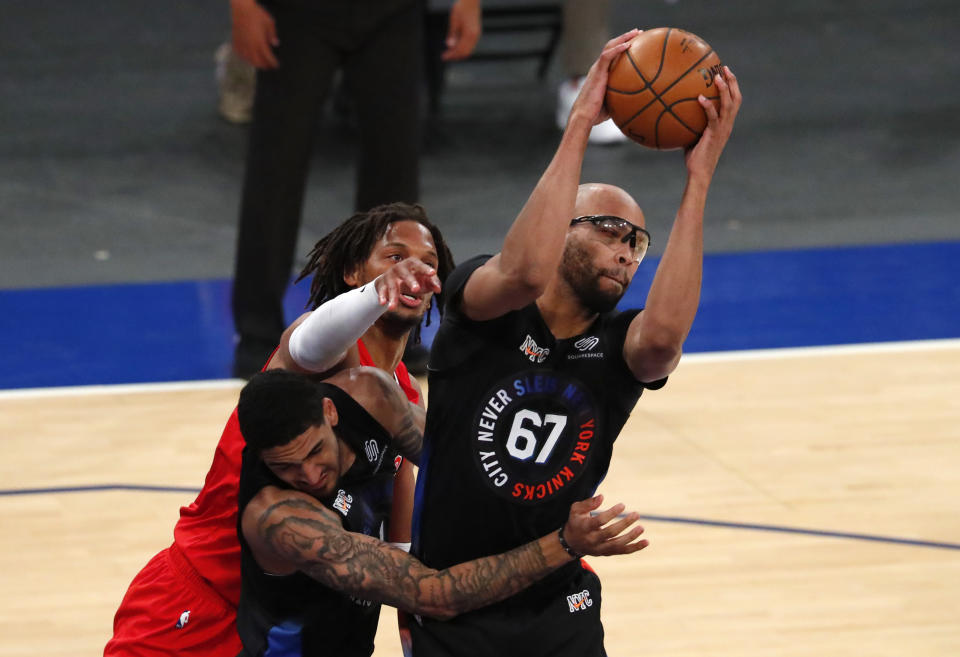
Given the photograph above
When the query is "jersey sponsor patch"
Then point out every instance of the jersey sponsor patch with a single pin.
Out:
(372, 449)
(587, 343)
(585, 348)
(533, 436)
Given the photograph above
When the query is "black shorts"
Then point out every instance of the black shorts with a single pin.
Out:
(560, 617)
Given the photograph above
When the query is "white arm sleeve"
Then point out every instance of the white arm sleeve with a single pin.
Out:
(324, 337)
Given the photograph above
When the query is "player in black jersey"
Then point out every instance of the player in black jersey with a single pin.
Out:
(317, 461)
(533, 374)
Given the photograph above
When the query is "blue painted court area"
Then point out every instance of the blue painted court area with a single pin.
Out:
(183, 331)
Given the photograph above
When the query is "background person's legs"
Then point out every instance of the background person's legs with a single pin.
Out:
(286, 110)
(384, 77)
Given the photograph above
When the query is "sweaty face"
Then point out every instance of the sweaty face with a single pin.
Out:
(313, 462)
(402, 239)
(598, 274)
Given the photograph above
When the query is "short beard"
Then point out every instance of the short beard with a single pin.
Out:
(583, 278)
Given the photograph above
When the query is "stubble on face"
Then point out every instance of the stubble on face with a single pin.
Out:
(584, 278)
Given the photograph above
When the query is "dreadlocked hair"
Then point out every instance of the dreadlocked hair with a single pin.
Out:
(349, 245)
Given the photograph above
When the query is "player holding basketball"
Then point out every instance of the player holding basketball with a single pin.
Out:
(375, 276)
(314, 573)
(533, 374)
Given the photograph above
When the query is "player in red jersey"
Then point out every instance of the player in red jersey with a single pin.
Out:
(374, 278)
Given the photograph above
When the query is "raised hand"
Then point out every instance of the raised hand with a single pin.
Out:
(702, 158)
(602, 533)
(405, 284)
(589, 102)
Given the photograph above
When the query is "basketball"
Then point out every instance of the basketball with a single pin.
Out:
(654, 84)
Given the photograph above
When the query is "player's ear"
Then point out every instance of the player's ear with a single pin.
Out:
(353, 276)
(330, 412)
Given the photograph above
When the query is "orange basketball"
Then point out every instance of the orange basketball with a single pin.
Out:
(653, 88)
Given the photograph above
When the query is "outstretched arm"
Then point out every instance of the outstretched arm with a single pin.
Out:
(532, 248)
(655, 338)
(319, 341)
(288, 530)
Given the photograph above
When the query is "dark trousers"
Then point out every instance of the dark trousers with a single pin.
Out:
(378, 46)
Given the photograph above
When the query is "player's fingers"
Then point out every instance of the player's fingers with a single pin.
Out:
(623, 38)
(427, 277)
(626, 544)
(733, 83)
(723, 89)
(609, 54)
(615, 529)
(393, 293)
(409, 280)
(420, 268)
(630, 548)
(605, 516)
(712, 116)
(584, 507)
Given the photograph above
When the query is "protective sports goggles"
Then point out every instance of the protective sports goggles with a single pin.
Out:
(615, 230)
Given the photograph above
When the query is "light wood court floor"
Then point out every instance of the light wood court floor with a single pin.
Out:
(799, 503)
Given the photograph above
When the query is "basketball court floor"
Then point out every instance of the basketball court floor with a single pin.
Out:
(797, 502)
(800, 474)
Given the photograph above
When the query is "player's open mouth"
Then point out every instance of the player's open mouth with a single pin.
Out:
(410, 300)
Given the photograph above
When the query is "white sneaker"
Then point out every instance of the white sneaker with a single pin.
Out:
(236, 84)
(606, 133)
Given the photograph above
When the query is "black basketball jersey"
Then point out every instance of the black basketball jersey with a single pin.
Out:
(519, 426)
(292, 613)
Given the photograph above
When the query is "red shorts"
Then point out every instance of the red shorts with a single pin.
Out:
(169, 610)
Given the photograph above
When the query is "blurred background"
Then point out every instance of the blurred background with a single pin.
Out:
(832, 219)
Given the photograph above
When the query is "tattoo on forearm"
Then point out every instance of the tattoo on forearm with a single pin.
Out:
(302, 533)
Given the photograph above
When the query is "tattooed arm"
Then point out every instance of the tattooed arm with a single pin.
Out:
(289, 531)
(383, 399)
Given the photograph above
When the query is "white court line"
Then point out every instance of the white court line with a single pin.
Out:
(706, 357)
(121, 389)
(831, 350)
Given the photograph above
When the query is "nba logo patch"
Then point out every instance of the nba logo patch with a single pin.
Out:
(184, 619)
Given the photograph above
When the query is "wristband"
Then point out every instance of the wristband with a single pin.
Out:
(566, 546)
